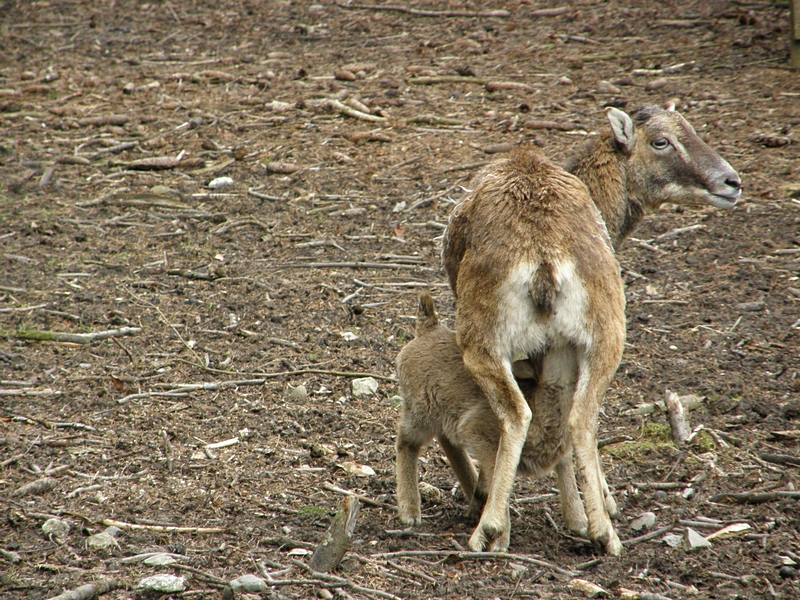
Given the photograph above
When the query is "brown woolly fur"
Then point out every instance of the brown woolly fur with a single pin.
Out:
(529, 254)
(442, 401)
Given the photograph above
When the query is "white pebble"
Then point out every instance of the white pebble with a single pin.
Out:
(220, 182)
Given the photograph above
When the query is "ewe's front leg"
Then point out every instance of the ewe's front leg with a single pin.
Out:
(498, 385)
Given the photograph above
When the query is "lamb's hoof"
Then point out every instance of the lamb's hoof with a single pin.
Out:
(611, 506)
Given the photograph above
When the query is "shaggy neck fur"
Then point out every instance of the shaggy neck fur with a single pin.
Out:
(604, 170)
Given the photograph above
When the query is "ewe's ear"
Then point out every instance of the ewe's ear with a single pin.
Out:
(622, 129)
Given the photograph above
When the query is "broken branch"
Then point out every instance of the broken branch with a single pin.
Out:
(75, 338)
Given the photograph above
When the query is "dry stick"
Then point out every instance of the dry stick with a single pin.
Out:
(289, 373)
(161, 528)
(341, 581)
(647, 536)
(166, 321)
(753, 497)
(75, 338)
(473, 556)
(677, 420)
(338, 537)
(430, 13)
(447, 79)
(352, 112)
(201, 574)
(781, 459)
(228, 225)
(90, 590)
(337, 490)
(350, 265)
(130, 397)
(257, 194)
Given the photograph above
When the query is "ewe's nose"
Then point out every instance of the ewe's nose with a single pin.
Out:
(734, 182)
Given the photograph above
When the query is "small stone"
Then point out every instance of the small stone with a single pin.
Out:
(166, 584)
(672, 540)
(606, 87)
(588, 589)
(353, 468)
(163, 190)
(565, 81)
(56, 528)
(348, 336)
(104, 539)
(220, 182)
(128, 88)
(656, 84)
(660, 495)
(731, 530)
(430, 493)
(364, 387)
(693, 541)
(749, 306)
(399, 207)
(645, 521)
(298, 394)
(282, 168)
(787, 572)
(249, 584)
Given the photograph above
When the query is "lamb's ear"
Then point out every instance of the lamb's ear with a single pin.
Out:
(622, 129)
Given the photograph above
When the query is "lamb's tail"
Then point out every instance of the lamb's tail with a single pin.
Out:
(427, 320)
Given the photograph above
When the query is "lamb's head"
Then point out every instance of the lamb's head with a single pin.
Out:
(668, 162)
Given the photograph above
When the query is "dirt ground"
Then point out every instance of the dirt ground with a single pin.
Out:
(115, 117)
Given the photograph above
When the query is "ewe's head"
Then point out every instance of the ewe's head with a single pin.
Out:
(669, 162)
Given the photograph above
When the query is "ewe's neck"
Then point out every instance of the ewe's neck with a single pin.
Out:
(604, 171)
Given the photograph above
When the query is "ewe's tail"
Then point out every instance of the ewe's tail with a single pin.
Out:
(427, 319)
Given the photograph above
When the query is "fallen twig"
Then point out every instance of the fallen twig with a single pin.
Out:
(753, 497)
(434, 79)
(647, 536)
(366, 500)
(90, 590)
(337, 539)
(161, 528)
(429, 13)
(473, 556)
(341, 581)
(350, 265)
(677, 420)
(75, 338)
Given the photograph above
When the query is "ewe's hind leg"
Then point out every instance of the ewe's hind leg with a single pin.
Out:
(407, 470)
(571, 503)
(594, 379)
(498, 385)
(462, 466)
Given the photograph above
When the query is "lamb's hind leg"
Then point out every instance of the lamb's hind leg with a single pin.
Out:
(407, 449)
(462, 466)
(497, 383)
(594, 379)
(571, 503)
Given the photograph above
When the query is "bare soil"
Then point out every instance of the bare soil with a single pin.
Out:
(222, 284)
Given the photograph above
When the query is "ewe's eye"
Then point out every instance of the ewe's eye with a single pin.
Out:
(660, 143)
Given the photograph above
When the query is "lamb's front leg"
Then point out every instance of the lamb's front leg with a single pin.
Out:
(497, 383)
